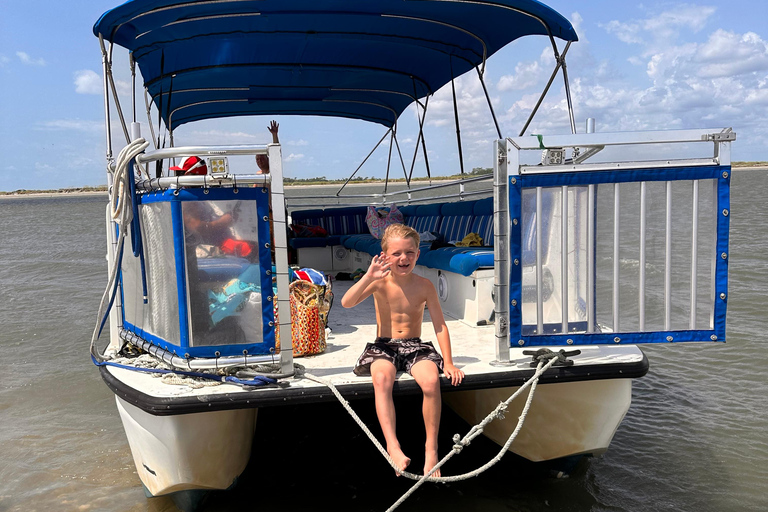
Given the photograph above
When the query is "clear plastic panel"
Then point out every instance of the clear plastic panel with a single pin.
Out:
(159, 316)
(681, 270)
(223, 272)
(553, 273)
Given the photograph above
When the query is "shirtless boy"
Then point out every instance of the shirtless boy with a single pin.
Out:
(400, 297)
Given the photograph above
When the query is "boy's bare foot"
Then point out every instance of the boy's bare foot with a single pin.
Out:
(430, 459)
(399, 458)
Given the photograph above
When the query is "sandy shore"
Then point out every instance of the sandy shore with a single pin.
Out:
(422, 183)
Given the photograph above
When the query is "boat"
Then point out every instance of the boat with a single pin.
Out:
(578, 234)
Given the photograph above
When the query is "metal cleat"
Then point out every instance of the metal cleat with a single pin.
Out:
(544, 355)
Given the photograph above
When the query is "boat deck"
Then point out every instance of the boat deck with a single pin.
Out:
(473, 352)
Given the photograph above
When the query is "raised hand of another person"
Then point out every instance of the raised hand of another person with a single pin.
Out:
(273, 126)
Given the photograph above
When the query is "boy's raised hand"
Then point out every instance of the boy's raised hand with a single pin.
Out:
(379, 267)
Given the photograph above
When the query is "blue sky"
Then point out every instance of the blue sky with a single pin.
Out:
(637, 66)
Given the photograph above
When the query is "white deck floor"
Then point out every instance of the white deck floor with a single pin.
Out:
(473, 350)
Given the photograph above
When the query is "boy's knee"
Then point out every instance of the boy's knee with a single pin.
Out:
(382, 380)
(429, 382)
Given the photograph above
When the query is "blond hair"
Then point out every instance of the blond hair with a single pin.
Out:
(399, 231)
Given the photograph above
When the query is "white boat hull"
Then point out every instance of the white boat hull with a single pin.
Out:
(565, 419)
(199, 451)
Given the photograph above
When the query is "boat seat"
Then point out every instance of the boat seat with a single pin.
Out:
(337, 222)
(220, 269)
(450, 221)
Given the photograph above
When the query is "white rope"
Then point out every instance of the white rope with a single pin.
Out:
(459, 445)
(122, 213)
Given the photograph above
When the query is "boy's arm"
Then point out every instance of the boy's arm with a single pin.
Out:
(364, 287)
(443, 337)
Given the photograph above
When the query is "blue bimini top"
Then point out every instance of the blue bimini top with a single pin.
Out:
(361, 59)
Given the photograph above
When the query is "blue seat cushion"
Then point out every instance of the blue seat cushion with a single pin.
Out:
(456, 220)
(482, 224)
(346, 221)
(314, 217)
(220, 269)
(426, 218)
(461, 260)
(319, 241)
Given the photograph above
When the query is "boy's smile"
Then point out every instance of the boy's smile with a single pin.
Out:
(402, 254)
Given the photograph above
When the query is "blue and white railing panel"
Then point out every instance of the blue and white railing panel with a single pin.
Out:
(606, 253)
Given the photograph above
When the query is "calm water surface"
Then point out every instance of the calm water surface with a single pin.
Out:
(694, 439)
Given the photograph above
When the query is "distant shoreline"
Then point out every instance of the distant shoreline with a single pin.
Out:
(102, 190)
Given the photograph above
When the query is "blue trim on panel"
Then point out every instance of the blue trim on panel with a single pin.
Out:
(265, 264)
(623, 176)
(721, 267)
(625, 338)
(181, 270)
(515, 252)
(204, 351)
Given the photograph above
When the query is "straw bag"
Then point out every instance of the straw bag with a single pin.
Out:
(309, 310)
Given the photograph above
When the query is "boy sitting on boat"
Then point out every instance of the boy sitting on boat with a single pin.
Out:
(400, 297)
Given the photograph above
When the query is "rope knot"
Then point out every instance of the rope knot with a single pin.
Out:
(458, 444)
(543, 355)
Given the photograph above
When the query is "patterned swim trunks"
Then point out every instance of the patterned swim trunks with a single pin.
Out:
(403, 353)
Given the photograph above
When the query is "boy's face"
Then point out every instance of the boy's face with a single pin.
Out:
(402, 254)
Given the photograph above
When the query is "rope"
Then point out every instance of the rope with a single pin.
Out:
(459, 443)
(122, 213)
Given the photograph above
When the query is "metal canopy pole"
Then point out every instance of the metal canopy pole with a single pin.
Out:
(364, 160)
(420, 139)
(402, 163)
(568, 92)
(549, 84)
(488, 99)
(458, 130)
(389, 158)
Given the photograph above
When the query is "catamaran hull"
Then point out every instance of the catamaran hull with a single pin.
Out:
(198, 451)
(565, 419)
(209, 450)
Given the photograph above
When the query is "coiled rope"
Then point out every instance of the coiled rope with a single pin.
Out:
(459, 442)
(121, 211)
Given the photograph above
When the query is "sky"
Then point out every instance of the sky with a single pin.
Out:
(636, 66)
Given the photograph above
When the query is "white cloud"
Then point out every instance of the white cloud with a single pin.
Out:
(88, 82)
(660, 30)
(77, 125)
(26, 59)
(730, 54)
(527, 74)
(4, 60)
(300, 142)
(293, 156)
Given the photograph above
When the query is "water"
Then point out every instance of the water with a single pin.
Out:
(694, 439)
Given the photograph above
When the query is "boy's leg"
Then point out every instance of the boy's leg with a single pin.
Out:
(383, 375)
(427, 376)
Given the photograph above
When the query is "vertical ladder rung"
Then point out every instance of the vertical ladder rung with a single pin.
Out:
(564, 259)
(539, 263)
(694, 252)
(641, 284)
(616, 215)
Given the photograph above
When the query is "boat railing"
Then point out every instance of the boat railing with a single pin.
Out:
(599, 252)
(414, 195)
(175, 219)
